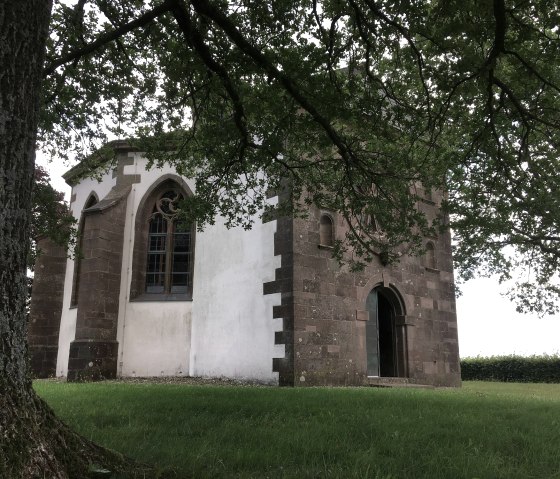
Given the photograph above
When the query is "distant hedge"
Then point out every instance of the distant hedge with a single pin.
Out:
(531, 369)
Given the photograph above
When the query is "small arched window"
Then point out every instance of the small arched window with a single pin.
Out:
(430, 256)
(169, 261)
(326, 231)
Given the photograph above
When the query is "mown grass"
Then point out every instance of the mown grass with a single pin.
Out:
(485, 430)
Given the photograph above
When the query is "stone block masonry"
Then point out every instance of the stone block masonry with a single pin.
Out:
(46, 308)
(330, 316)
(94, 351)
(283, 284)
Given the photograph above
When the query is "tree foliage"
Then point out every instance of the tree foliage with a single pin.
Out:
(51, 217)
(358, 105)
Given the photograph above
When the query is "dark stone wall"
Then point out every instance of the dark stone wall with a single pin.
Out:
(46, 308)
(93, 353)
(330, 316)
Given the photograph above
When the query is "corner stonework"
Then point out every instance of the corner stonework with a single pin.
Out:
(283, 284)
(92, 360)
(94, 351)
(46, 308)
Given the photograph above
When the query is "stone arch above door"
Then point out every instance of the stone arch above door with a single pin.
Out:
(404, 303)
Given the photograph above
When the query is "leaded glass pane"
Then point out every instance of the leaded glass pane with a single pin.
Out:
(158, 224)
(155, 283)
(182, 243)
(155, 268)
(157, 243)
(180, 263)
(169, 248)
(156, 263)
(180, 282)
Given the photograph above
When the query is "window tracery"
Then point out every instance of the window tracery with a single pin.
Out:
(169, 256)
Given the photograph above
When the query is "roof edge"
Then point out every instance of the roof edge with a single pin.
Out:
(98, 159)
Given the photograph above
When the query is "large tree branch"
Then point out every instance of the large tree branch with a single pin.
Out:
(538, 241)
(532, 69)
(109, 37)
(203, 7)
(194, 38)
(408, 37)
(519, 107)
(500, 27)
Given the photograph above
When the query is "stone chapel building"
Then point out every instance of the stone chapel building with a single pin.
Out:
(151, 296)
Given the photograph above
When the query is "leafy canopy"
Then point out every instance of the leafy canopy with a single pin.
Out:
(50, 216)
(359, 105)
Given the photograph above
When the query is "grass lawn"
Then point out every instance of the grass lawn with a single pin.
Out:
(484, 430)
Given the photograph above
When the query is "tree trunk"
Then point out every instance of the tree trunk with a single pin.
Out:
(33, 442)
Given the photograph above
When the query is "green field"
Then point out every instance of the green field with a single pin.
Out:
(484, 430)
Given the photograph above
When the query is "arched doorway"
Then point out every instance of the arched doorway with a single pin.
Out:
(385, 334)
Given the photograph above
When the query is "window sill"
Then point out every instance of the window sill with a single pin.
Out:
(324, 246)
(431, 270)
(147, 297)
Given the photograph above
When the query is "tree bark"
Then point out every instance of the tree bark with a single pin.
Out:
(33, 442)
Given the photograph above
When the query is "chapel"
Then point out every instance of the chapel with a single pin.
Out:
(148, 295)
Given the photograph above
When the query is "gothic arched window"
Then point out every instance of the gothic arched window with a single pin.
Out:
(169, 261)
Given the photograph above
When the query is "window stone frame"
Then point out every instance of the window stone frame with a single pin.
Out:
(140, 247)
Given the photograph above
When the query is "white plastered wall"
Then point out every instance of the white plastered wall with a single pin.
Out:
(227, 329)
(233, 330)
(154, 336)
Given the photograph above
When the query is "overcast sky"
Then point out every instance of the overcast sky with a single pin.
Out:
(488, 323)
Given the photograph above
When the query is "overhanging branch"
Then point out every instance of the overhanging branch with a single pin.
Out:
(203, 7)
(109, 37)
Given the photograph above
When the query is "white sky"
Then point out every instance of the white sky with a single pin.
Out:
(488, 322)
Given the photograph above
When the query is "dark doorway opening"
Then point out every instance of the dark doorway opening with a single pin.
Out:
(385, 345)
